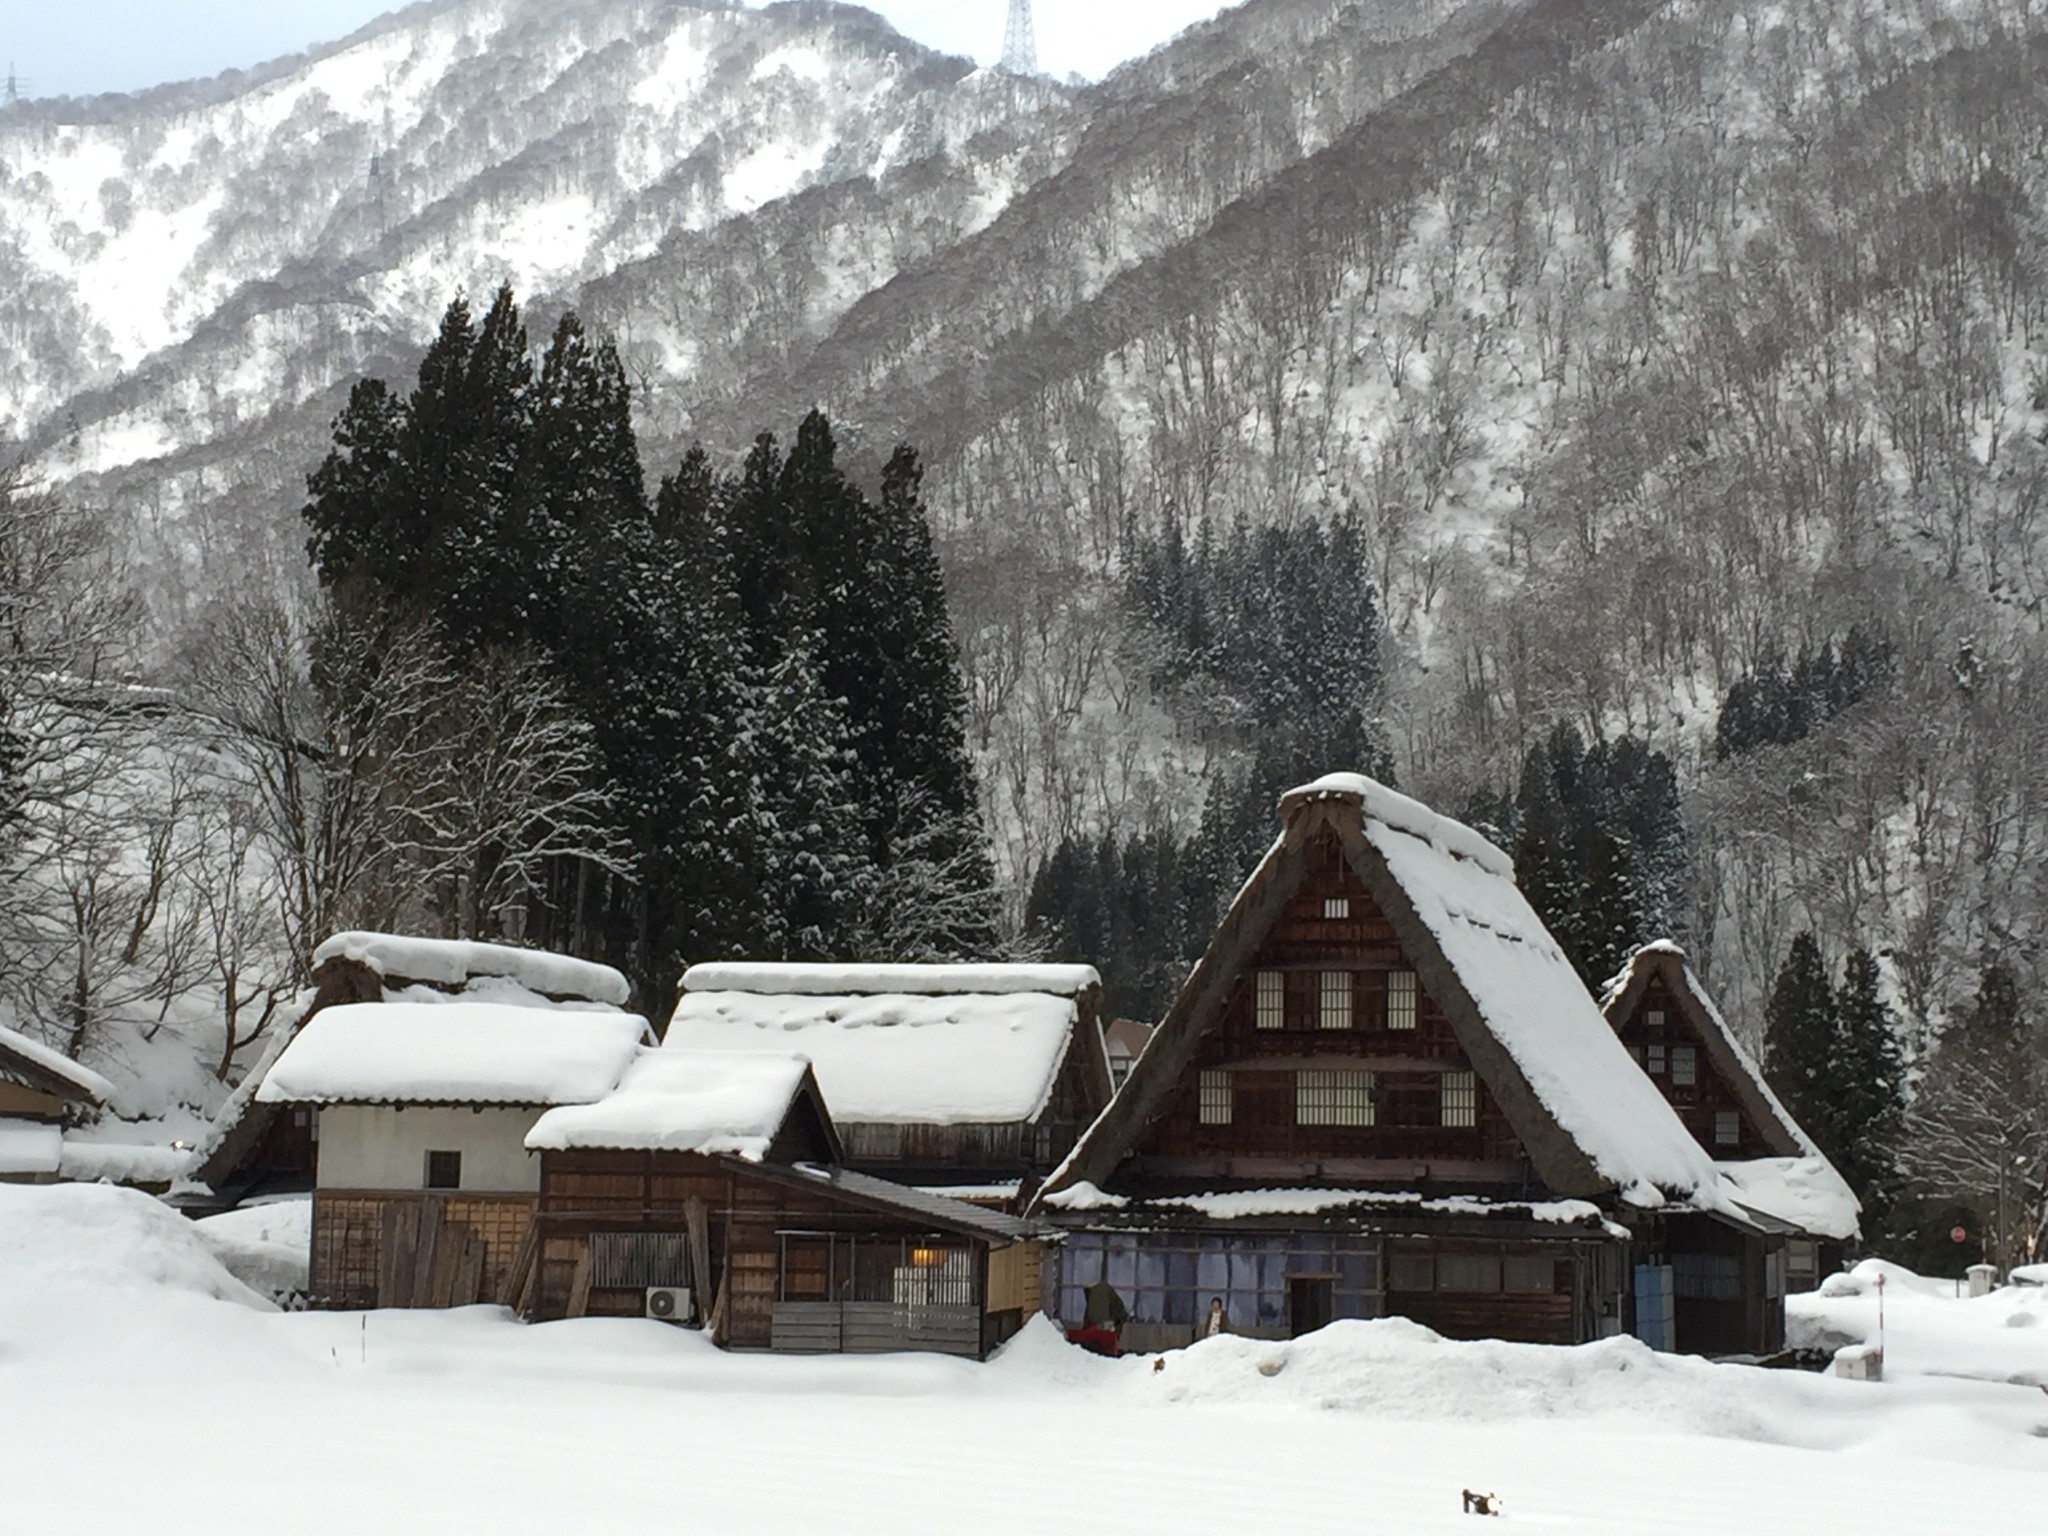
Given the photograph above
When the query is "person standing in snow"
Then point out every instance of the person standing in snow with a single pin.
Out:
(1217, 1323)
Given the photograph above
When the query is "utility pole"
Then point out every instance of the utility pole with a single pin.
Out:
(1020, 41)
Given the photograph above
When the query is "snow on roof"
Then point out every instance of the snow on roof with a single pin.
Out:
(728, 1104)
(1805, 1192)
(35, 1056)
(452, 963)
(892, 1058)
(1246, 1204)
(29, 1149)
(454, 1053)
(769, 979)
(1463, 889)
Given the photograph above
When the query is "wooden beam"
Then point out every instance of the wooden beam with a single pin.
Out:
(579, 1287)
(525, 1258)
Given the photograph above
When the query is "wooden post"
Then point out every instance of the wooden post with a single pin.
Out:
(579, 1287)
(697, 1217)
(524, 1260)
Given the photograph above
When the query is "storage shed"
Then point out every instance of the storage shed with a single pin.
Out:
(424, 1187)
(707, 1191)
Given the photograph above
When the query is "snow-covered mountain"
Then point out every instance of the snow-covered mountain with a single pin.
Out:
(180, 266)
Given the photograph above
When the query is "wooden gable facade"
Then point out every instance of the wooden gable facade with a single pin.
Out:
(1326, 1126)
(1694, 1063)
(1329, 1060)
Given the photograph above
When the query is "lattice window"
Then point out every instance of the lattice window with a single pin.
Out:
(1727, 1129)
(1338, 990)
(1706, 1277)
(1215, 1098)
(1337, 908)
(1402, 994)
(1654, 1018)
(1334, 1098)
(633, 1261)
(1270, 1002)
(1653, 1061)
(444, 1170)
(1685, 1066)
(1459, 1101)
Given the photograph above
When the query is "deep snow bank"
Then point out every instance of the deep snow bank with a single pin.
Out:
(1930, 1327)
(266, 1247)
(58, 1240)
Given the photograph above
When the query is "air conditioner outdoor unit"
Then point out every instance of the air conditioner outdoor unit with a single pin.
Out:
(669, 1303)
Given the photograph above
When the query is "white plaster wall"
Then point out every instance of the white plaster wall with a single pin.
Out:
(366, 1147)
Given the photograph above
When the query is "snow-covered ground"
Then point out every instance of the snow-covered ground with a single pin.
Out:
(147, 1390)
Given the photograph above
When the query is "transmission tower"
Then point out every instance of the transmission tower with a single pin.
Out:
(16, 87)
(1020, 41)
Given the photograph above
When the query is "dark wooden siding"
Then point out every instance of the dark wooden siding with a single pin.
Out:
(750, 1221)
(1700, 1104)
(373, 1249)
(1408, 1064)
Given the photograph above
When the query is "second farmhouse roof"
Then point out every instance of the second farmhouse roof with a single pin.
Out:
(454, 1053)
(1592, 1123)
(1796, 1184)
(905, 1044)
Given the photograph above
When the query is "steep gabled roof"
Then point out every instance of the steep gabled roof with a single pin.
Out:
(1592, 1123)
(718, 1104)
(1797, 1183)
(908, 1045)
(34, 1065)
(1734, 1065)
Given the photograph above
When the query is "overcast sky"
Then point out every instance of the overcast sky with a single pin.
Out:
(79, 47)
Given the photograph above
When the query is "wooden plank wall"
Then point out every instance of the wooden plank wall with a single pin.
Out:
(415, 1250)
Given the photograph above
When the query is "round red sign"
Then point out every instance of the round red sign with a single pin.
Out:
(1959, 1234)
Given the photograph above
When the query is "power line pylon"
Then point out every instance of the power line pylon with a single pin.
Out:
(16, 87)
(1020, 41)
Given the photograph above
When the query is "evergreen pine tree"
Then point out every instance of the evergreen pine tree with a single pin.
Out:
(1869, 1090)
(1800, 1037)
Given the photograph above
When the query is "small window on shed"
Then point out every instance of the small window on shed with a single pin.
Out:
(1401, 996)
(1338, 987)
(1270, 1002)
(444, 1170)
(1411, 1272)
(1727, 1129)
(1459, 1098)
(1215, 1098)
(1472, 1273)
(1685, 1066)
(1337, 908)
(1529, 1274)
